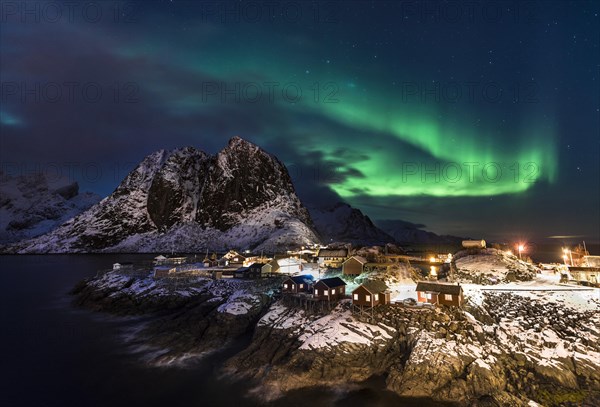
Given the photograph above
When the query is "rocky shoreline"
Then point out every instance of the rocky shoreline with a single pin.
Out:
(500, 350)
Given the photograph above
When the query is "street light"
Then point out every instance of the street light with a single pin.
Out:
(521, 249)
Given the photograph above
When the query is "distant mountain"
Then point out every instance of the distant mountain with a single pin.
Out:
(31, 205)
(187, 200)
(343, 223)
(407, 232)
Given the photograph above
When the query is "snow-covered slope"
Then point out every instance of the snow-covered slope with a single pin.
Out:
(32, 204)
(186, 200)
(343, 223)
(491, 266)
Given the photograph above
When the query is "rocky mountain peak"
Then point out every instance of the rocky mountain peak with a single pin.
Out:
(240, 198)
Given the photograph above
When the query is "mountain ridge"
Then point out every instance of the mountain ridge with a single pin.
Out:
(242, 197)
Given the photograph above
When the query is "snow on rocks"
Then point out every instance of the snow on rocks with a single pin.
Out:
(239, 303)
(491, 266)
(325, 331)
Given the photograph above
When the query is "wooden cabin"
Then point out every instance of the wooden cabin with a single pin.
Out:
(297, 284)
(354, 266)
(439, 293)
(252, 271)
(233, 259)
(371, 293)
(329, 289)
(288, 265)
(267, 268)
(332, 257)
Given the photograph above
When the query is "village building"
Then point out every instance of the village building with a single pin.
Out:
(297, 284)
(255, 259)
(439, 293)
(123, 266)
(370, 294)
(162, 260)
(208, 262)
(354, 266)
(252, 271)
(332, 257)
(233, 259)
(288, 265)
(329, 289)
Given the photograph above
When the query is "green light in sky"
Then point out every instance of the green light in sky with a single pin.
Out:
(406, 149)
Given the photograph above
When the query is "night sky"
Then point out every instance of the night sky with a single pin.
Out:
(477, 119)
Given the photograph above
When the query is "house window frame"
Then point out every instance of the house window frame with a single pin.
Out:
(376, 297)
(285, 286)
(448, 297)
(368, 298)
(355, 296)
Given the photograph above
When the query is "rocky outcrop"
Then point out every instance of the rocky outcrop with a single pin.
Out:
(443, 354)
(186, 200)
(189, 316)
(490, 266)
(501, 349)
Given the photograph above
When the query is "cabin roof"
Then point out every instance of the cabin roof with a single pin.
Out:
(360, 259)
(332, 282)
(247, 269)
(373, 286)
(439, 288)
(333, 253)
(303, 279)
(255, 266)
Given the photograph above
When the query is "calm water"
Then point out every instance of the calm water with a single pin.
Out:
(56, 355)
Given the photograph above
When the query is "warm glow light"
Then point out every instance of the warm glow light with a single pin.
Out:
(565, 256)
(509, 252)
(433, 271)
(432, 259)
(521, 248)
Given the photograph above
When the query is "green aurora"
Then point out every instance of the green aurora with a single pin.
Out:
(457, 157)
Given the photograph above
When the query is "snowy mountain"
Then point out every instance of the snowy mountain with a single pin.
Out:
(343, 223)
(407, 232)
(187, 200)
(33, 204)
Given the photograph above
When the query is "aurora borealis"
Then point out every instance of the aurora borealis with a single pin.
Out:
(476, 119)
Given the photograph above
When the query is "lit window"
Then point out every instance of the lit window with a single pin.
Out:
(333, 291)
(428, 296)
(316, 292)
(293, 286)
(376, 297)
(285, 286)
(368, 298)
(448, 297)
(355, 297)
(301, 285)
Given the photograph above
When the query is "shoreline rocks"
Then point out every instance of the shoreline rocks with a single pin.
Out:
(507, 351)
